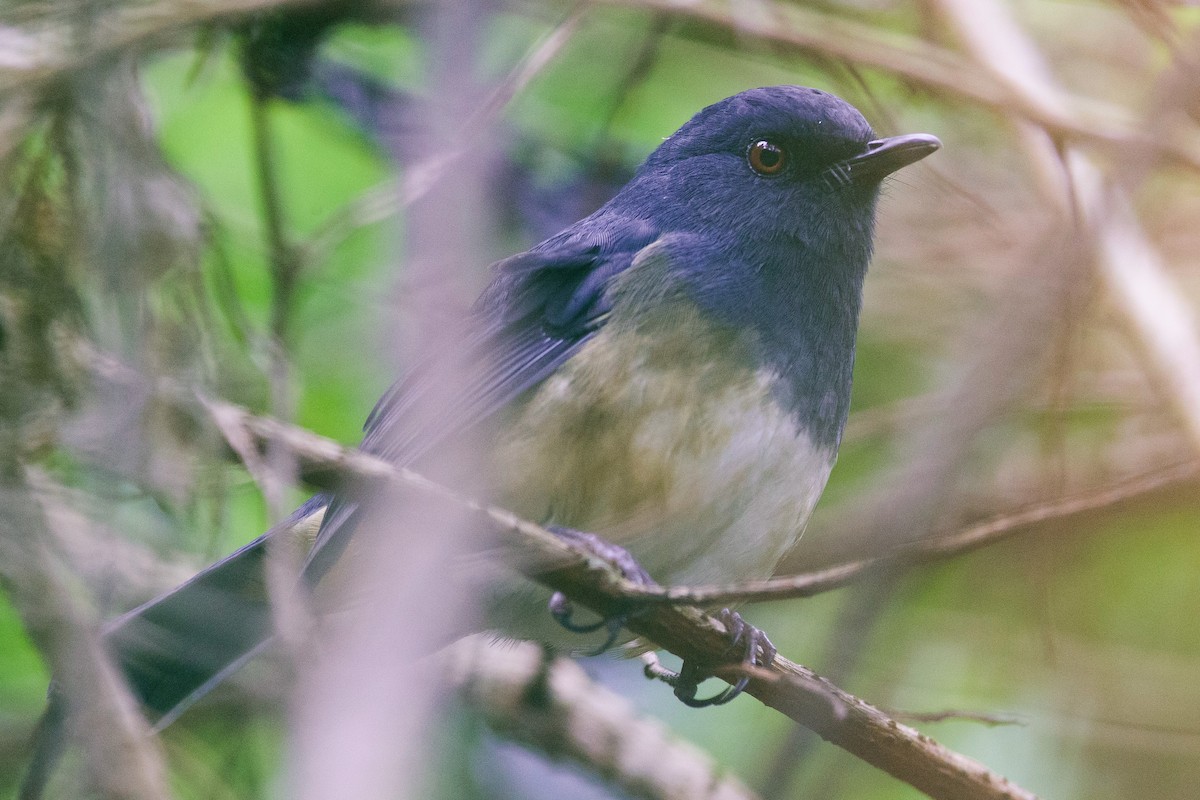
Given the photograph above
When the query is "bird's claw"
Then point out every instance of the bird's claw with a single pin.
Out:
(563, 610)
(746, 642)
(756, 650)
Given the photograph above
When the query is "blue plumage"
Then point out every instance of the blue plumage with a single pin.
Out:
(674, 370)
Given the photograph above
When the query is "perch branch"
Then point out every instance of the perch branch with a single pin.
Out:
(796, 691)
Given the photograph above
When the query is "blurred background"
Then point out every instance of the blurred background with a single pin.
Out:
(228, 195)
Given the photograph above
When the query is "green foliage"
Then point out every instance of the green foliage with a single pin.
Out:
(1080, 631)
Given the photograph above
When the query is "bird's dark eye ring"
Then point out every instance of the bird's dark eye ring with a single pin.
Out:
(766, 158)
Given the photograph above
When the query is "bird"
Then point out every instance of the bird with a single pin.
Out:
(671, 375)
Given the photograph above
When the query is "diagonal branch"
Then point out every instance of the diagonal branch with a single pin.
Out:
(41, 52)
(796, 691)
(123, 762)
(553, 706)
(1154, 310)
(807, 31)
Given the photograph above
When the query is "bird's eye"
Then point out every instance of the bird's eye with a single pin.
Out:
(767, 158)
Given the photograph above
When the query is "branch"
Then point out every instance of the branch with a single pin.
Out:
(383, 202)
(40, 54)
(123, 761)
(1154, 310)
(792, 689)
(690, 634)
(806, 31)
(553, 706)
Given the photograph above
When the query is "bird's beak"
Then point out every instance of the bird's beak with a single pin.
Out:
(884, 156)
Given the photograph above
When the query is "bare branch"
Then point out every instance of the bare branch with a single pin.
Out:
(794, 690)
(43, 50)
(991, 720)
(1156, 315)
(555, 708)
(124, 762)
(806, 31)
(685, 631)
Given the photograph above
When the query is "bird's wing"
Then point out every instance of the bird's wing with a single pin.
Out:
(540, 308)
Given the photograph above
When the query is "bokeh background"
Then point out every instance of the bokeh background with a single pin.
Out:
(227, 196)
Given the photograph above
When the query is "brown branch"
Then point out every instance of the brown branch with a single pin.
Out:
(685, 631)
(794, 690)
(44, 50)
(807, 31)
(123, 761)
(552, 706)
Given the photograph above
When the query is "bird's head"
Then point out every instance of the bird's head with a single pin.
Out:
(775, 164)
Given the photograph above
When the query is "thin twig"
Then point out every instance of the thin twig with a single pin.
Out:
(384, 202)
(951, 715)
(972, 537)
(1153, 308)
(277, 470)
(806, 30)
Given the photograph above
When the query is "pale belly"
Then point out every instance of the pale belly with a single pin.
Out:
(683, 458)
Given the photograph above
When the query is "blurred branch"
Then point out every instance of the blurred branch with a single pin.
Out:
(326, 465)
(121, 569)
(1155, 312)
(123, 760)
(564, 566)
(991, 720)
(553, 706)
(43, 49)
(360, 724)
(288, 609)
(995, 41)
(283, 261)
(384, 202)
(806, 30)
(1153, 308)
(421, 177)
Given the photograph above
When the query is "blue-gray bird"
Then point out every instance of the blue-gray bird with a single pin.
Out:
(671, 374)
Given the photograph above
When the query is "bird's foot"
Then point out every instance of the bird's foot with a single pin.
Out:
(563, 610)
(755, 650)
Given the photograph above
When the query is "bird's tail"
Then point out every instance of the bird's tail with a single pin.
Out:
(176, 648)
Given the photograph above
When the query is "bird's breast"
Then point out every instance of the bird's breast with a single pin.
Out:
(665, 437)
